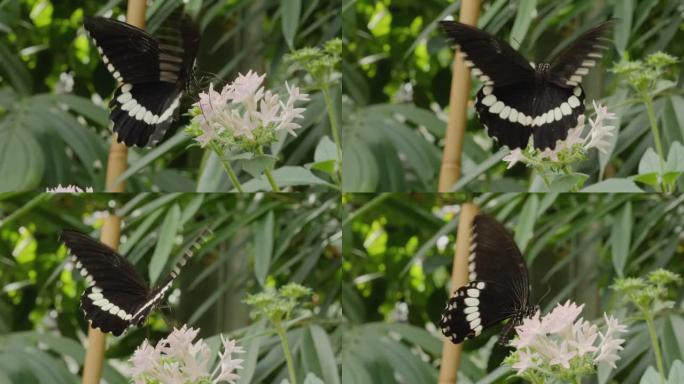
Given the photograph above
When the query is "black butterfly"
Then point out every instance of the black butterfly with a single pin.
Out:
(152, 73)
(519, 99)
(498, 288)
(117, 297)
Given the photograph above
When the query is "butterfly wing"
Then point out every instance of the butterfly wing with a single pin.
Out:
(153, 72)
(130, 54)
(159, 292)
(498, 287)
(116, 290)
(568, 67)
(494, 61)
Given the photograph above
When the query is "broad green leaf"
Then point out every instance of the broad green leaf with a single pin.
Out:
(21, 159)
(263, 247)
(613, 185)
(676, 373)
(620, 238)
(326, 355)
(312, 379)
(651, 178)
(649, 162)
(675, 158)
(524, 229)
(14, 71)
(285, 177)
(257, 164)
(361, 173)
(167, 237)
(325, 150)
(252, 347)
(650, 377)
(624, 11)
(526, 10)
(291, 10)
(159, 151)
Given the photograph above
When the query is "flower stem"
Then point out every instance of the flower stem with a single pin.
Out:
(271, 180)
(226, 167)
(282, 333)
(654, 130)
(333, 122)
(269, 175)
(650, 323)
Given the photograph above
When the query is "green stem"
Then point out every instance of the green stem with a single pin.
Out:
(288, 356)
(333, 122)
(269, 175)
(650, 323)
(226, 167)
(654, 130)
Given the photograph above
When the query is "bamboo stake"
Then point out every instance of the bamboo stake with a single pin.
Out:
(117, 163)
(451, 353)
(450, 170)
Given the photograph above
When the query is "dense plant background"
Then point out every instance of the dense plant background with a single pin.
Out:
(398, 252)
(54, 90)
(260, 241)
(397, 76)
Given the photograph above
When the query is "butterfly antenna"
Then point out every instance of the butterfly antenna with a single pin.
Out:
(548, 290)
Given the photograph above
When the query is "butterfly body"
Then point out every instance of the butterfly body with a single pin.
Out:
(519, 100)
(116, 297)
(498, 287)
(152, 71)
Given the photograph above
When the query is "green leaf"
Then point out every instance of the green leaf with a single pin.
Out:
(313, 379)
(14, 70)
(624, 10)
(648, 178)
(21, 159)
(613, 185)
(154, 154)
(361, 173)
(650, 376)
(263, 247)
(620, 238)
(286, 176)
(326, 355)
(257, 164)
(291, 10)
(254, 339)
(167, 237)
(525, 226)
(649, 162)
(526, 10)
(676, 373)
(675, 158)
(325, 150)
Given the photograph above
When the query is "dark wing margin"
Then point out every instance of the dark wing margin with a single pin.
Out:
(494, 61)
(572, 64)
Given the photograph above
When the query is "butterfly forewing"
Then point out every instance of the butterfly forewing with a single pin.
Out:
(571, 65)
(491, 59)
(498, 287)
(153, 72)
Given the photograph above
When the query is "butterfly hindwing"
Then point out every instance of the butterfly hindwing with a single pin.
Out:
(110, 310)
(474, 308)
(493, 60)
(143, 112)
(498, 287)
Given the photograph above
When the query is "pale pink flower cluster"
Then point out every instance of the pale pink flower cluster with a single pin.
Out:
(177, 360)
(556, 339)
(597, 137)
(244, 106)
(68, 189)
